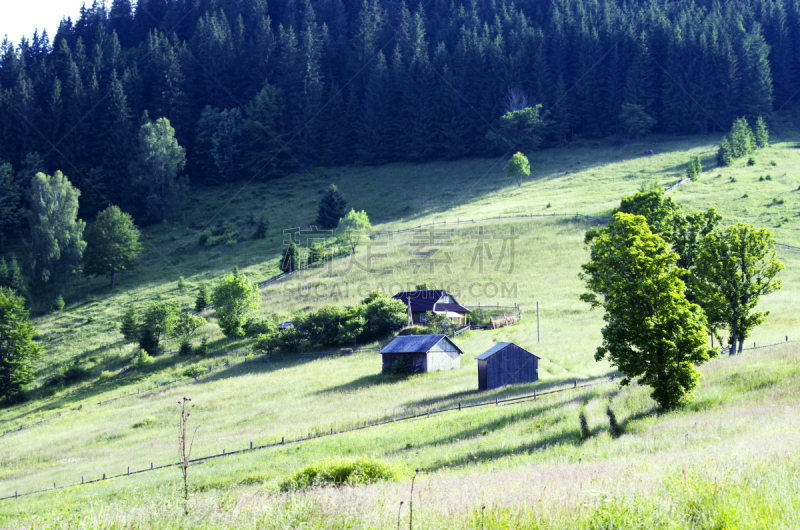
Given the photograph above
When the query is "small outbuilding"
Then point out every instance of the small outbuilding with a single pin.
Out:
(427, 353)
(504, 364)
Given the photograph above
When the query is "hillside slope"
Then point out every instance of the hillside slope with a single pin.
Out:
(262, 402)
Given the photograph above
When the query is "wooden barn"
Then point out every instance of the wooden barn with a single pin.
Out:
(428, 353)
(437, 301)
(504, 364)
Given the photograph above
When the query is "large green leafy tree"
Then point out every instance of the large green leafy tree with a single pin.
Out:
(635, 120)
(521, 129)
(160, 161)
(56, 244)
(652, 331)
(660, 211)
(10, 202)
(517, 167)
(235, 300)
(734, 269)
(18, 351)
(332, 207)
(157, 324)
(112, 244)
(353, 229)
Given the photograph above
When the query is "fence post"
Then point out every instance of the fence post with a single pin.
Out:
(151, 466)
(575, 384)
(104, 476)
(495, 400)
(81, 479)
(129, 470)
(251, 446)
(283, 442)
(459, 406)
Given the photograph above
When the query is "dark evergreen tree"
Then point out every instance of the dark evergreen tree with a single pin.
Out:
(332, 207)
(290, 260)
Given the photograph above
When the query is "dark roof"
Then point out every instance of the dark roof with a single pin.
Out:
(456, 308)
(499, 346)
(424, 301)
(416, 344)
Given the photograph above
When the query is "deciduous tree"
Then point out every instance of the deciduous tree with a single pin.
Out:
(160, 161)
(235, 300)
(353, 229)
(652, 331)
(734, 269)
(112, 244)
(517, 167)
(56, 244)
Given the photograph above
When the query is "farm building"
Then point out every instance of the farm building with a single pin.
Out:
(427, 353)
(437, 301)
(504, 364)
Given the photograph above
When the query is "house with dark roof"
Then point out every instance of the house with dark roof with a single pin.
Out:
(437, 301)
(505, 363)
(427, 353)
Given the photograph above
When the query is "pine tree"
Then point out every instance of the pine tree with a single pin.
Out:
(3, 273)
(10, 203)
(332, 207)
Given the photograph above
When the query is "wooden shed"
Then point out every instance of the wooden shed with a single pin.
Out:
(504, 364)
(428, 353)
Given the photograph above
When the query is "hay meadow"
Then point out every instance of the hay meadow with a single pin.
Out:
(726, 461)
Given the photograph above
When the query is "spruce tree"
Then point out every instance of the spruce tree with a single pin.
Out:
(724, 153)
(332, 207)
(203, 298)
(10, 203)
(129, 325)
(761, 133)
(290, 259)
(18, 350)
(15, 279)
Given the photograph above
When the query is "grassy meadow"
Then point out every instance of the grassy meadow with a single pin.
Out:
(739, 431)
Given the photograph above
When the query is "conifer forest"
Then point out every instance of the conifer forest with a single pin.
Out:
(256, 89)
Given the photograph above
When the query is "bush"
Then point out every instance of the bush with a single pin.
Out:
(414, 330)
(194, 371)
(332, 472)
(144, 423)
(751, 161)
(402, 365)
(142, 359)
(58, 305)
(75, 373)
(181, 284)
(105, 374)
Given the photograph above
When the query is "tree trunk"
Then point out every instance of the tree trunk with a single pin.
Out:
(734, 338)
(112, 278)
(741, 343)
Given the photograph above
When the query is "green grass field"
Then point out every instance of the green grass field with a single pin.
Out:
(491, 455)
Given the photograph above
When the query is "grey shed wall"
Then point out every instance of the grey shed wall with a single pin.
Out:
(510, 366)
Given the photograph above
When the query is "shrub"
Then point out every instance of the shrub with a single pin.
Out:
(414, 330)
(144, 423)
(75, 373)
(402, 365)
(751, 161)
(768, 177)
(181, 284)
(105, 374)
(261, 228)
(142, 359)
(58, 305)
(549, 205)
(761, 178)
(194, 371)
(337, 472)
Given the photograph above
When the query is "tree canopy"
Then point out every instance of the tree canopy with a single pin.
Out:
(353, 229)
(112, 244)
(517, 167)
(652, 331)
(734, 268)
(56, 234)
(235, 301)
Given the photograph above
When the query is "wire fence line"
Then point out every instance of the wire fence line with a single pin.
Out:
(426, 413)
(367, 424)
